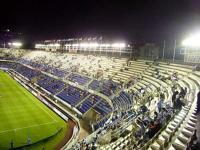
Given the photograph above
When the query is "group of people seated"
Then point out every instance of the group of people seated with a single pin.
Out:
(149, 125)
(145, 127)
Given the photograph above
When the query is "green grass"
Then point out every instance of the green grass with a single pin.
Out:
(23, 117)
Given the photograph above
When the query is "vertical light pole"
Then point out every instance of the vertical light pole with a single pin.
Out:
(163, 56)
(174, 50)
(185, 54)
(106, 51)
(100, 46)
(120, 50)
(100, 49)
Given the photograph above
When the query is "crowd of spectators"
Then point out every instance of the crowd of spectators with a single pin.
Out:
(149, 125)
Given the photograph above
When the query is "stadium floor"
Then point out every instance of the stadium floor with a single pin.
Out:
(25, 120)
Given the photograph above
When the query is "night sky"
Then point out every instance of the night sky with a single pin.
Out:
(135, 19)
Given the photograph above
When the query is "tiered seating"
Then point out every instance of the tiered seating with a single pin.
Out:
(7, 58)
(108, 87)
(44, 80)
(78, 78)
(58, 72)
(8, 54)
(122, 102)
(94, 85)
(180, 130)
(4, 64)
(72, 95)
(88, 103)
(50, 84)
(174, 126)
(103, 109)
(177, 133)
(114, 69)
(27, 72)
(134, 69)
(44, 67)
(88, 65)
(102, 122)
(149, 79)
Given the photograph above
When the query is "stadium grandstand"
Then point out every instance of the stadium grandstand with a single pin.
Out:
(89, 94)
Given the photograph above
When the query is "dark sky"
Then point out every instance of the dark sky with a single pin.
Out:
(123, 19)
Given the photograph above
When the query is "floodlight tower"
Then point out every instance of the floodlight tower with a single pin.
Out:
(15, 44)
(192, 45)
(192, 41)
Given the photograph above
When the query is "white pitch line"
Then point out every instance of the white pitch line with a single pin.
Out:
(43, 109)
(27, 127)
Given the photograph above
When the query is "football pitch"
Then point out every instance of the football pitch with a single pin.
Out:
(25, 120)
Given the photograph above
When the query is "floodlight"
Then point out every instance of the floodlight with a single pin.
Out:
(54, 45)
(105, 45)
(192, 41)
(121, 45)
(39, 45)
(75, 45)
(93, 44)
(67, 45)
(84, 45)
(57, 44)
(17, 44)
(118, 45)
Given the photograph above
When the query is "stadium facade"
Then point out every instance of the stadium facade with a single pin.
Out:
(87, 45)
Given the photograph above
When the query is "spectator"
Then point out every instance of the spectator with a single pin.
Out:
(178, 103)
(154, 127)
(174, 97)
(155, 116)
(182, 92)
(160, 104)
(143, 109)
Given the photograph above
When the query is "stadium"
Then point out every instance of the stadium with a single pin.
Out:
(100, 75)
(83, 94)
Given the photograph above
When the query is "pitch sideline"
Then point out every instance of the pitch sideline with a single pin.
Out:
(42, 124)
